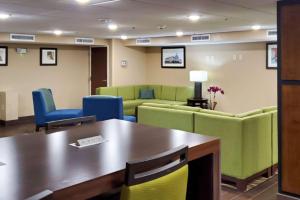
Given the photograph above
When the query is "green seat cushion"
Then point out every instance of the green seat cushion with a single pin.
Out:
(169, 187)
(157, 90)
(157, 105)
(184, 93)
(214, 112)
(129, 106)
(146, 94)
(127, 92)
(187, 108)
(250, 113)
(137, 90)
(111, 91)
(269, 109)
(168, 93)
(166, 102)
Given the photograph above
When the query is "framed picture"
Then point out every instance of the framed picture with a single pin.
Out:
(272, 55)
(3, 56)
(173, 57)
(48, 56)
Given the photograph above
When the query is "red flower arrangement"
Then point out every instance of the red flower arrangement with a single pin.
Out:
(213, 90)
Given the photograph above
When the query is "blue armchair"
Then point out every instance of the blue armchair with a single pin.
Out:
(105, 107)
(45, 110)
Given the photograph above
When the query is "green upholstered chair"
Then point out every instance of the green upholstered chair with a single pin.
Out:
(162, 177)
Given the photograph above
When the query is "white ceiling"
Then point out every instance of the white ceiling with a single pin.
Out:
(41, 16)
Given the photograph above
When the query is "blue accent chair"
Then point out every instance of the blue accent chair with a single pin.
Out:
(45, 110)
(105, 107)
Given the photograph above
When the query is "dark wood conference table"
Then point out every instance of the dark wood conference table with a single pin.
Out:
(37, 162)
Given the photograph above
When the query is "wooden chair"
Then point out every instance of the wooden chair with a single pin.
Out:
(64, 124)
(44, 195)
(163, 177)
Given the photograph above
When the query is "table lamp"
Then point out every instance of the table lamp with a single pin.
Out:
(198, 77)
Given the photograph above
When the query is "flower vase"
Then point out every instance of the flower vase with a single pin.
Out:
(213, 105)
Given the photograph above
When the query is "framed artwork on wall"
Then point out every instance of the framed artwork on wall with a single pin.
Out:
(173, 57)
(272, 55)
(3, 56)
(48, 56)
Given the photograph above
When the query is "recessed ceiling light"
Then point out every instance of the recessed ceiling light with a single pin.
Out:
(124, 37)
(4, 16)
(179, 33)
(194, 18)
(83, 1)
(57, 32)
(112, 27)
(256, 27)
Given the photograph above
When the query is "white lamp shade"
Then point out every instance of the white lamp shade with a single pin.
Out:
(198, 76)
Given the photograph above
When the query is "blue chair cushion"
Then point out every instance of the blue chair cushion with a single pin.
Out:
(48, 99)
(63, 114)
(129, 118)
(147, 94)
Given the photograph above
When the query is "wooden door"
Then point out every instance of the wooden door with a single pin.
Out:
(98, 68)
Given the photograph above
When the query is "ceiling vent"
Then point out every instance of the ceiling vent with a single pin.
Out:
(200, 38)
(22, 37)
(143, 41)
(272, 33)
(85, 41)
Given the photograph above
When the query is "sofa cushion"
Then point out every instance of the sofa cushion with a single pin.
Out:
(112, 91)
(146, 94)
(132, 103)
(158, 105)
(186, 108)
(269, 109)
(137, 90)
(184, 93)
(48, 100)
(127, 92)
(157, 90)
(63, 114)
(250, 113)
(168, 93)
(165, 102)
(214, 112)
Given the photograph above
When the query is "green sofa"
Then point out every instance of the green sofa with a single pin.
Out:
(248, 140)
(163, 95)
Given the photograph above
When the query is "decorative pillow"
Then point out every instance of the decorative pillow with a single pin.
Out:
(147, 94)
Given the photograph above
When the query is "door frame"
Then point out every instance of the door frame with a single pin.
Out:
(90, 66)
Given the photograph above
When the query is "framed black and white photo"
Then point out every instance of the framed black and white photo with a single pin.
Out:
(173, 57)
(3, 56)
(272, 56)
(48, 56)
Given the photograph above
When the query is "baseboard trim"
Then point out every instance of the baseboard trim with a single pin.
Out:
(21, 120)
(286, 197)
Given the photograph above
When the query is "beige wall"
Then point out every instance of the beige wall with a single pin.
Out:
(247, 83)
(135, 72)
(68, 80)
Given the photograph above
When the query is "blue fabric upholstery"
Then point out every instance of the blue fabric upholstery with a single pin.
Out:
(104, 107)
(45, 110)
(147, 94)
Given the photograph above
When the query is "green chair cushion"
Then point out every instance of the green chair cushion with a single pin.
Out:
(168, 93)
(157, 90)
(127, 92)
(111, 91)
(169, 187)
(214, 112)
(250, 113)
(184, 93)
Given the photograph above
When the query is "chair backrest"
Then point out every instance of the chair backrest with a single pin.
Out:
(44, 195)
(103, 107)
(163, 177)
(43, 103)
(55, 126)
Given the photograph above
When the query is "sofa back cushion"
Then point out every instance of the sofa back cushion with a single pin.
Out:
(157, 90)
(146, 94)
(184, 93)
(168, 93)
(127, 92)
(111, 91)
(250, 113)
(269, 109)
(186, 108)
(214, 112)
(157, 105)
(137, 90)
